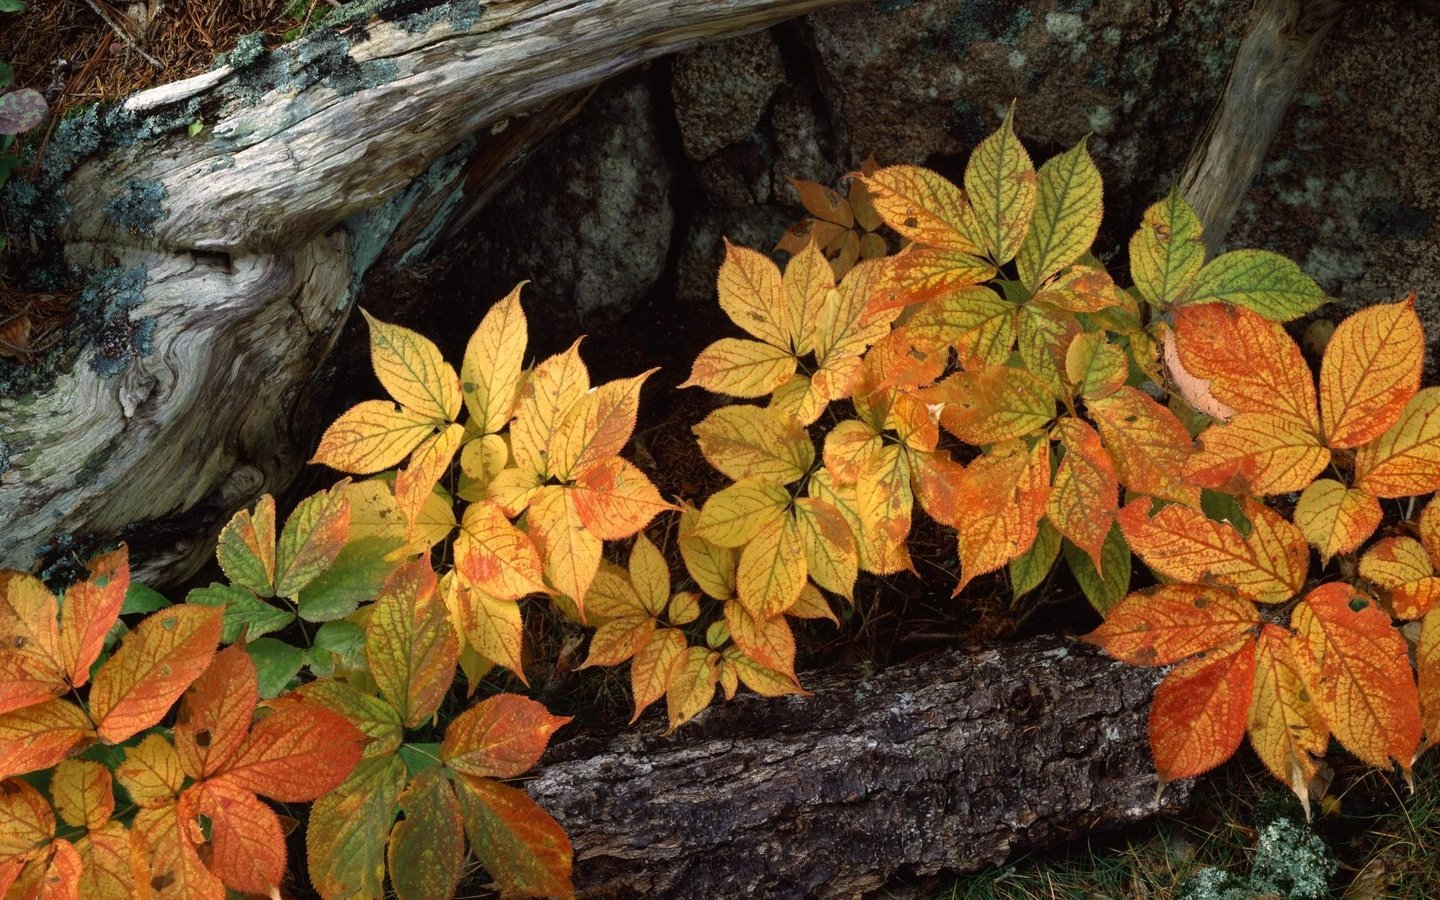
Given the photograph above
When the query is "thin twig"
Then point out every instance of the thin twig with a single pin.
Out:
(124, 35)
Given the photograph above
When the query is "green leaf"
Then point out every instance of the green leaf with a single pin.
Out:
(339, 643)
(12, 5)
(7, 74)
(1108, 588)
(141, 599)
(1067, 216)
(419, 757)
(1029, 569)
(345, 840)
(276, 663)
(1260, 281)
(1167, 252)
(195, 128)
(427, 847)
(244, 612)
(1000, 182)
(354, 578)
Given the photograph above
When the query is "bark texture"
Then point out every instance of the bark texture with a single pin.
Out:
(949, 763)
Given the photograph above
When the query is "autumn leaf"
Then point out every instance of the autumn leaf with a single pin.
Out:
(247, 845)
(156, 662)
(1171, 622)
(426, 850)
(521, 846)
(556, 384)
(570, 553)
(82, 792)
(652, 667)
(1094, 366)
(295, 754)
(151, 773)
(38, 736)
(692, 685)
(489, 625)
(499, 737)
(1149, 445)
(1067, 216)
(1357, 667)
(924, 207)
(751, 442)
(772, 568)
(1002, 495)
(410, 643)
(412, 371)
(831, 554)
(740, 368)
(1334, 518)
(312, 538)
(1251, 363)
(1427, 662)
(346, 836)
(1166, 253)
(597, 426)
(1259, 280)
(710, 564)
(1370, 370)
(1085, 494)
(770, 642)
(1403, 570)
(415, 483)
(1259, 454)
(1286, 728)
(993, 404)
(246, 548)
(977, 322)
(490, 372)
(1199, 715)
(1405, 460)
(215, 713)
(925, 275)
(752, 294)
(614, 499)
(372, 436)
(495, 556)
(1000, 182)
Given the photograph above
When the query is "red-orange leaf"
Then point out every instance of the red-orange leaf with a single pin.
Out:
(1370, 371)
(1001, 498)
(91, 608)
(1167, 623)
(215, 714)
(1148, 443)
(1251, 362)
(1085, 495)
(614, 499)
(247, 845)
(1357, 667)
(499, 737)
(1286, 728)
(1199, 715)
(295, 754)
(154, 665)
(521, 846)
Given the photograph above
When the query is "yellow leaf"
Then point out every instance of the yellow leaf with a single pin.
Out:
(481, 459)
(924, 207)
(848, 324)
(830, 551)
(596, 426)
(692, 684)
(82, 792)
(1000, 182)
(489, 625)
(849, 448)
(614, 499)
(759, 679)
(416, 482)
(618, 640)
(812, 605)
(885, 501)
(769, 642)
(752, 294)
(1167, 252)
(612, 596)
(1405, 460)
(772, 569)
(1183, 544)
(650, 574)
(513, 489)
(411, 369)
(926, 274)
(1357, 667)
(1401, 567)
(495, 556)
(570, 553)
(804, 399)
(1096, 367)
(555, 386)
(684, 608)
(490, 372)
(1370, 370)
(808, 280)
(751, 442)
(653, 666)
(1336, 519)
(372, 436)
(711, 565)
(993, 404)
(151, 772)
(1259, 454)
(734, 515)
(740, 368)
(1286, 728)
(976, 321)
(1067, 216)
(1280, 552)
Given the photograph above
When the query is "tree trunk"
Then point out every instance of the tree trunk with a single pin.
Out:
(950, 763)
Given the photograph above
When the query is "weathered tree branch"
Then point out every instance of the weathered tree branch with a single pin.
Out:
(950, 763)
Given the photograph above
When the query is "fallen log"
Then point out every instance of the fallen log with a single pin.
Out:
(947, 764)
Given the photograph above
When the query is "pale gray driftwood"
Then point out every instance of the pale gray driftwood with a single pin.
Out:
(950, 763)
(248, 269)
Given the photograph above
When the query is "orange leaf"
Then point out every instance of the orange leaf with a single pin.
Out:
(1280, 552)
(39, 736)
(91, 608)
(426, 851)
(154, 665)
(1251, 362)
(1083, 289)
(1336, 519)
(30, 668)
(415, 483)
(614, 499)
(1401, 567)
(652, 667)
(993, 404)
(767, 641)
(1405, 460)
(1085, 495)
(924, 207)
(215, 713)
(1357, 667)
(1149, 445)
(1370, 371)
(936, 479)
(410, 644)
(1199, 715)
(495, 556)
(490, 372)
(571, 554)
(1165, 624)
(1181, 543)
(1002, 497)
(1286, 728)
(174, 864)
(1427, 660)
(371, 436)
(26, 822)
(295, 754)
(523, 849)
(247, 845)
(1257, 453)
(499, 737)
(976, 321)
(923, 274)
(557, 384)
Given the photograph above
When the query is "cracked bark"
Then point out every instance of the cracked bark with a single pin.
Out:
(950, 763)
